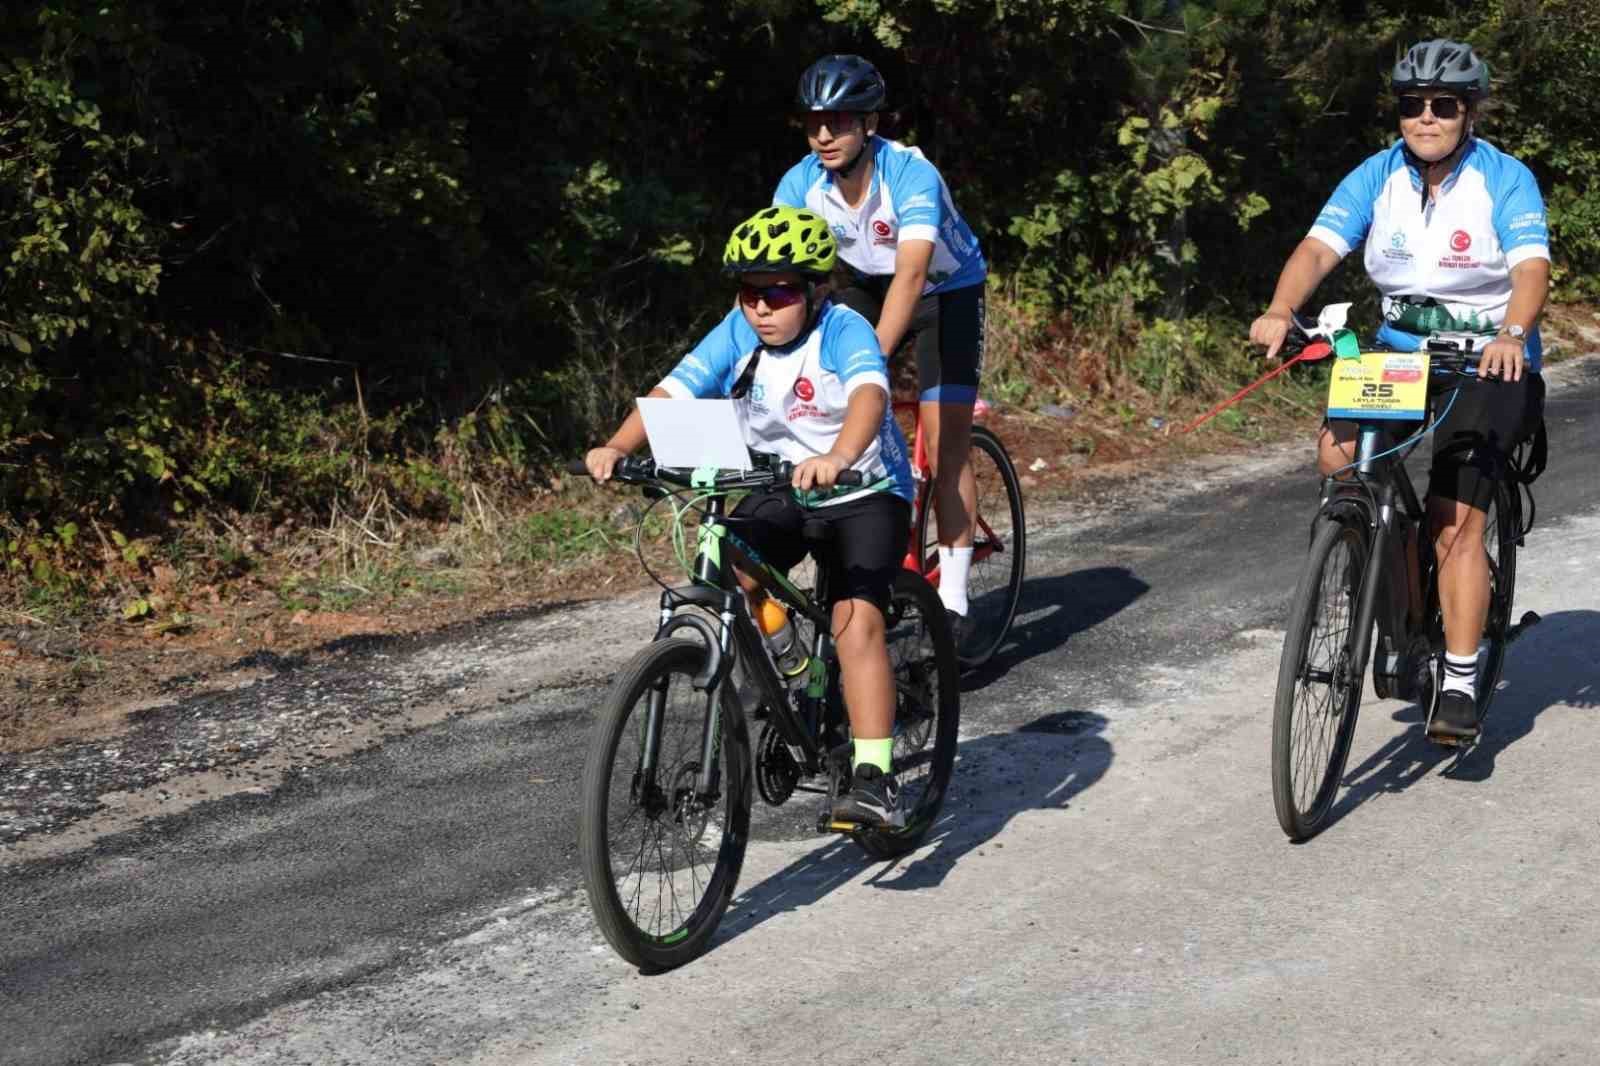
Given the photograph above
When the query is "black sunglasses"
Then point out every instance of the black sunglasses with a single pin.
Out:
(1445, 107)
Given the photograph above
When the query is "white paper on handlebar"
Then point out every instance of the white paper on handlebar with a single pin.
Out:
(690, 434)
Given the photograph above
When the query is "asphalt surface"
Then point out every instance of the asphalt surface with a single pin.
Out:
(1109, 884)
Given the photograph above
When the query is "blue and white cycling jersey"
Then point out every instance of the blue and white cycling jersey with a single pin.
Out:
(1446, 267)
(796, 404)
(908, 201)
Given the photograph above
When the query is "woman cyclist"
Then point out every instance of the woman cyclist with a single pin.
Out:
(812, 387)
(916, 272)
(1456, 239)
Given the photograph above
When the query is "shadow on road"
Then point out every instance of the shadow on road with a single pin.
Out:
(1551, 666)
(1041, 766)
(1051, 610)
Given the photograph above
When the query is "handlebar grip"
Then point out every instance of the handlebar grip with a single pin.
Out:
(848, 478)
(576, 466)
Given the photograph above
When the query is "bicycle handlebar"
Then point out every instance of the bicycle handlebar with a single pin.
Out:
(768, 472)
(1447, 353)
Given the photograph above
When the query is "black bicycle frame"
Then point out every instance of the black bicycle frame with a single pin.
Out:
(716, 590)
(1385, 502)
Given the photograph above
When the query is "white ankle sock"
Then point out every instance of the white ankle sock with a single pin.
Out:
(1461, 673)
(954, 566)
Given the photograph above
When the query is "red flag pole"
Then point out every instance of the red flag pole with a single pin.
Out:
(1311, 351)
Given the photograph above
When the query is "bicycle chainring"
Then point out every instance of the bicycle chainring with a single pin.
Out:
(777, 772)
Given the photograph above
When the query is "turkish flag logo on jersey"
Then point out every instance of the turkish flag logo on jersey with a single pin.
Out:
(1461, 240)
(880, 227)
(804, 389)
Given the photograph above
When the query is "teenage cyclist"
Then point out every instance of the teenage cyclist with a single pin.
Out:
(916, 272)
(1456, 239)
(812, 387)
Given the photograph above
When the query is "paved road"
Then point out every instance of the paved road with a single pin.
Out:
(1112, 886)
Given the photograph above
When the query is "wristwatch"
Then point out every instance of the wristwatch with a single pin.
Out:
(1515, 332)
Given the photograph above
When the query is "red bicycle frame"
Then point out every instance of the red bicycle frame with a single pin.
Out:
(984, 542)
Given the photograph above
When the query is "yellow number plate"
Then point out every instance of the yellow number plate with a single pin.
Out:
(1380, 385)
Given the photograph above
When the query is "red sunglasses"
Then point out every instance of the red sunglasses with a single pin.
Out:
(777, 296)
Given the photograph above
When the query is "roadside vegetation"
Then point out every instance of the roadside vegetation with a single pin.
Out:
(303, 306)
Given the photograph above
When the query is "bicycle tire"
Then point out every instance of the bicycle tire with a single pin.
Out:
(1320, 652)
(1501, 531)
(673, 933)
(994, 588)
(927, 693)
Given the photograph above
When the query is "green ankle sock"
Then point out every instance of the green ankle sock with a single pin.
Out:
(877, 753)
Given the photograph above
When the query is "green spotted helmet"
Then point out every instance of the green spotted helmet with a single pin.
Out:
(781, 238)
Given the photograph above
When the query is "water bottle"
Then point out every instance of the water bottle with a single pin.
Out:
(782, 641)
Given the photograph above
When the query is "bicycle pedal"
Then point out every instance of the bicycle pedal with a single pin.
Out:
(844, 827)
(1528, 621)
(1454, 740)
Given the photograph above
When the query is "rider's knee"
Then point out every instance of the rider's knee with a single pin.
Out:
(858, 629)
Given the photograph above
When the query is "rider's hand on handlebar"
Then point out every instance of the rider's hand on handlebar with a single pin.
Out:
(1269, 331)
(818, 472)
(602, 461)
(1503, 358)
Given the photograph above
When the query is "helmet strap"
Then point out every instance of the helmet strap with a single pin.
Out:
(1423, 166)
(849, 169)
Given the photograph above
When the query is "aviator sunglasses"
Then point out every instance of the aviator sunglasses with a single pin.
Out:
(777, 296)
(1444, 107)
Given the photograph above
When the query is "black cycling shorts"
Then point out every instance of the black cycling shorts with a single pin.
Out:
(867, 548)
(1480, 423)
(946, 329)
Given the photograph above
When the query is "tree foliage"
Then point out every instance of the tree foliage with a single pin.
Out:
(247, 246)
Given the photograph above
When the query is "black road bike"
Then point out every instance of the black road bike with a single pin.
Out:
(667, 786)
(1357, 577)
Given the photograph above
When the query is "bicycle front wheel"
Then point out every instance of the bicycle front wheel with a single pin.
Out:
(660, 843)
(1319, 680)
(999, 549)
(927, 713)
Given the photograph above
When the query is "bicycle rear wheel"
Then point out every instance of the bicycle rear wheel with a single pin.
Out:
(927, 715)
(661, 858)
(1501, 531)
(999, 550)
(1319, 680)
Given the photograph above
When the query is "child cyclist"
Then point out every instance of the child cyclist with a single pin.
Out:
(916, 271)
(812, 387)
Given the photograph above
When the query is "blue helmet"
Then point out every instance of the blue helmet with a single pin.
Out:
(842, 83)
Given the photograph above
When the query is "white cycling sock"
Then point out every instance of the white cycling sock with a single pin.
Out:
(954, 566)
(1461, 673)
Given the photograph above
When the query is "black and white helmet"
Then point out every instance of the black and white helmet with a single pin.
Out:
(842, 83)
(1442, 64)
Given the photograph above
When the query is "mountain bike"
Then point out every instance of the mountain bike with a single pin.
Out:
(1359, 575)
(999, 545)
(667, 784)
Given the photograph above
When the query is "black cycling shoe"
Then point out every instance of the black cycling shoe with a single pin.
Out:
(873, 799)
(1455, 719)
